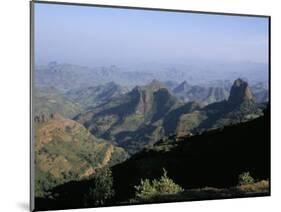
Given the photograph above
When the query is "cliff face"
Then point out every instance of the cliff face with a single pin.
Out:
(240, 92)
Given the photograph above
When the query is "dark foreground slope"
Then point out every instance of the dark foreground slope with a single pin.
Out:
(214, 158)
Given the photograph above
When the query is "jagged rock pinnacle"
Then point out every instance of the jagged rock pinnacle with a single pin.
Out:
(240, 92)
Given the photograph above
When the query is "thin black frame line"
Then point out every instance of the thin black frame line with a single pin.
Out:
(32, 206)
(150, 9)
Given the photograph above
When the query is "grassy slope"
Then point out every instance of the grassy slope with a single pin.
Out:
(95, 95)
(206, 166)
(49, 100)
(65, 150)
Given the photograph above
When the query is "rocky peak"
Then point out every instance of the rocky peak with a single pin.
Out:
(240, 92)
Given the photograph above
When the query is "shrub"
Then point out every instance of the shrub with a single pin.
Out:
(261, 186)
(101, 189)
(150, 189)
(245, 178)
(145, 190)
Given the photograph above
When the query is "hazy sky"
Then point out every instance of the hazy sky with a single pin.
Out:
(101, 36)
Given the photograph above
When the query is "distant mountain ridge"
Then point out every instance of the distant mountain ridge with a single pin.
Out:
(69, 76)
(183, 87)
(201, 94)
(95, 95)
(261, 92)
(239, 107)
(147, 113)
(207, 94)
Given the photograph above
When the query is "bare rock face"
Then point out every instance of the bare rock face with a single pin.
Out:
(146, 95)
(240, 92)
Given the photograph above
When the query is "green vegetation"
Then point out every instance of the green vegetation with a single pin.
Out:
(258, 188)
(245, 178)
(100, 189)
(66, 151)
(130, 123)
(188, 122)
(95, 95)
(50, 100)
(155, 188)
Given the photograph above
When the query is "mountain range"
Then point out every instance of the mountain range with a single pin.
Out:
(147, 113)
(218, 91)
(202, 134)
(202, 94)
(68, 76)
(205, 165)
(95, 95)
